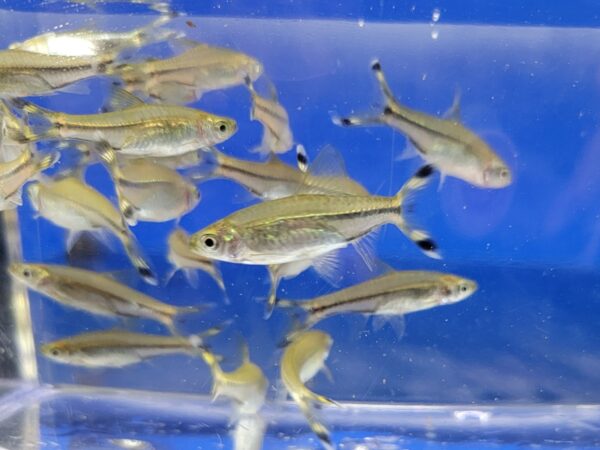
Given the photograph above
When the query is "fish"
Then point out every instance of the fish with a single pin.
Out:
(246, 386)
(24, 74)
(118, 349)
(96, 293)
(277, 135)
(393, 294)
(293, 233)
(181, 258)
(91, 43)
(72, 204)
(138, 129)
(275, 179)
(302, 359)
(17, 172)
(186, 77)
(150, 192)
(444, 143)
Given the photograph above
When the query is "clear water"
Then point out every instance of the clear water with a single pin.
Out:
(517, 365)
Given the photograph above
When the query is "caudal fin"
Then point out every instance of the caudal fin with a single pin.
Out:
(390, 103)
(41, 121)
(316, 425)
(137, 258)
(420, 237)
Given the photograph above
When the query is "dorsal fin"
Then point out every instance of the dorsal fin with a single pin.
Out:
(120, 99)
(329, 162)
(328, 167)
(453, 112)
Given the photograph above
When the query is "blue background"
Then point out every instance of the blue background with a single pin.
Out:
(531, 86)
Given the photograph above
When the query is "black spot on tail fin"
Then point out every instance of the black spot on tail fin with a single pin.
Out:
(345, 121)
(147, 274)
(376, 66)
(388, 110)
(427, 245)
(425, 171)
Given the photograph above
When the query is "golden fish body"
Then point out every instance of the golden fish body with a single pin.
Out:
(95, 293)
(140, 130)
(246, 385)
(445, 143)
(185, 77)
(24, 74)
(302, 359)
(70, 203)
(274, 179)
(395, 293)
(151, 192)
(115, 348)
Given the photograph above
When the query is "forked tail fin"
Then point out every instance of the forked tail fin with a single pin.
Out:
(390, 103)
(420, 237)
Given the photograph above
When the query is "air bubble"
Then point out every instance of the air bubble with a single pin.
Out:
(361, 23)
(435, 15)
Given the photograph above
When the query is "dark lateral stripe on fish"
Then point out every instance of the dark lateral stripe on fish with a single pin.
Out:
(348, 215)
(353, 300)
(389, 111)
(250, 173)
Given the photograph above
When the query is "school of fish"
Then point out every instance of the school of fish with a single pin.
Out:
(156, 148)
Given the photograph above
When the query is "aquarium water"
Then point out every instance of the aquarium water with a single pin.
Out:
(516, 365)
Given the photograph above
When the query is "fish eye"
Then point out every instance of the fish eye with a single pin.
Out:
(504, 173)
(210, 242)
(55, 352)
(222, 127)
(463, 288)
(27, 273)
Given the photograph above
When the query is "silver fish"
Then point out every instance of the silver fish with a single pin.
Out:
(180, 256)
(274, 179)
(277, 135)
(302, 359)
(185, 77)
(24, 74)
(14, 174)
(70, 203)
(91, 43)
(445, 143)
(95, 293)
(115, 348)
(150, 192)
(137, 129)
(292, 233)
(393, 294)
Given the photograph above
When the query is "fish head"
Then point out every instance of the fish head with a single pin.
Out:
(217, 129)
(29, 274)
(497, 175)
(220, 241)
(59, 351)
(456, 289)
